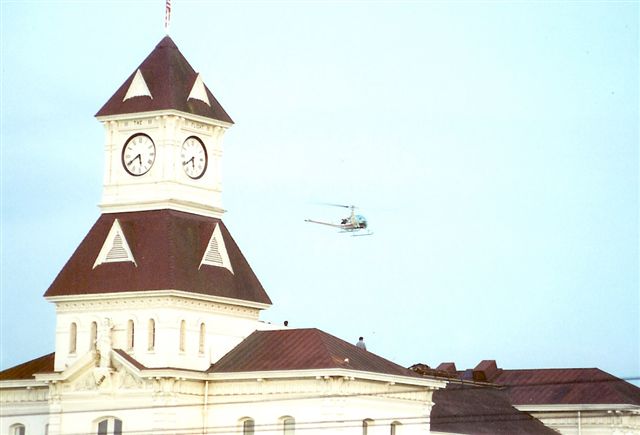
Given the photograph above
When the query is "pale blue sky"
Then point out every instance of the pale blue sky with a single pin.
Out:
(492, 145)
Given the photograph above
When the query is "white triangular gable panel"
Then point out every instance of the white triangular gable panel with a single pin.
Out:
(199, 92)
(216, 252)
(137, 88)
(115, 247)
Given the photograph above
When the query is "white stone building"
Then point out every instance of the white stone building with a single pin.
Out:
(157, 311)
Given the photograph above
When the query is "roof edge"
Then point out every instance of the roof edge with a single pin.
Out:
(144, 294)
(170, 204)
(23, 383)
(164, 112)
(577, 407)
(328, 373)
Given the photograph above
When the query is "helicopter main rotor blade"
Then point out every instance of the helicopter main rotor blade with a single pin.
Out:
(339, 205)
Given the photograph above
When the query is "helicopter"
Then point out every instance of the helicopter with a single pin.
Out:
(356, 224)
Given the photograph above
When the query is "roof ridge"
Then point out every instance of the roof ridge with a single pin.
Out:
(322, 336)
(554, 368)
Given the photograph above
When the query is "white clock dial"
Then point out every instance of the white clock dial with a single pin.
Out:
(138, 154)
(194, 157)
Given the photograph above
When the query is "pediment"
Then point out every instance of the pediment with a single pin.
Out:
(138, 87)
(79, 368)
(216, 253)
(199, 92)
(87, 374)
(115, 247)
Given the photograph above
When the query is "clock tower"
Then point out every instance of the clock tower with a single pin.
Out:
(158, 277)
(163, 142)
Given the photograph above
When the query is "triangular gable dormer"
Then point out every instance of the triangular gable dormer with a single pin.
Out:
(216, 252)
(138, 87)
(115, 247)
(199, 92)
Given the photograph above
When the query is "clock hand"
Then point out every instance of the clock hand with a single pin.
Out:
(132, 160)
(187, 162)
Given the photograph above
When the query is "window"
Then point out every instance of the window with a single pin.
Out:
(93, 336)
(110, 426)
(289, 426)
(203, 334)
(17, 429)
(130, 335)
(395, 428)
(183, 333)
(73, 337)
(366, 424)
(152, 335)
(248, 427)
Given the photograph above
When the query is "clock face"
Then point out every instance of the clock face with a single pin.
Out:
(194, 157)
(138, 154)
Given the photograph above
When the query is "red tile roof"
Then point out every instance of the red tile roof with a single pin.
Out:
(473, 409)
(168, 247)
(134, 362)
(170, 79)
(566, 386)
(28, 369)
(556, 386)
(302, 349)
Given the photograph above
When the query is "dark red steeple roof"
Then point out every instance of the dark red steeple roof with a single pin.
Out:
(168, 247)
(170, 79)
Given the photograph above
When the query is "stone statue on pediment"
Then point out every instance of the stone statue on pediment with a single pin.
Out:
(104, 342)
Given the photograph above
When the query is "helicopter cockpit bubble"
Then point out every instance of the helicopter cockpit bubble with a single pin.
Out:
(362, 222)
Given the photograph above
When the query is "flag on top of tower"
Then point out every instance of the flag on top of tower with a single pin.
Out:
(167, 15)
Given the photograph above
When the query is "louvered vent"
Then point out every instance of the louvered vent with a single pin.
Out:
(115, 247)
(216, 253)
(212, 256)
(137, 88)
(117, 251)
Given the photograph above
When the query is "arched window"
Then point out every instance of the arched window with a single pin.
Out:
(288, 426)
(203, 335)
(93, 336)
(366, 424)
(183, 333)
(395, 428)
(130, 335)
(248, 426)
(110, 426)
(17, 429)
(152, 335)
(73, 337)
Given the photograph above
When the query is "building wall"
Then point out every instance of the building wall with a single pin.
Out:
(27, 405)
(225, 326)
(326, 405)
(592, 422)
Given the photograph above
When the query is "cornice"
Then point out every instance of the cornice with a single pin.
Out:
(578, 407)
(173, 204)
(23, 383)
(329, 373)
(170, 112)
(160, 297)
